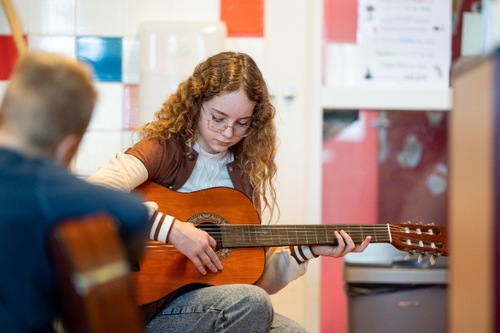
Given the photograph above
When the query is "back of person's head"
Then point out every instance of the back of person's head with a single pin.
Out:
(49, 97)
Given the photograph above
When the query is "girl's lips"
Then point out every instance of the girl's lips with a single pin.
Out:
(222, 143)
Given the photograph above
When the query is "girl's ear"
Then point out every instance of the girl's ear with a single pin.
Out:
(66, 149)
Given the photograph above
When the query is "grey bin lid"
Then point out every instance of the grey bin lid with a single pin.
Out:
(384, 264)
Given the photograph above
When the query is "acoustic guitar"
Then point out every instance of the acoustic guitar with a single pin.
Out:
(230, 217)
(93, 277)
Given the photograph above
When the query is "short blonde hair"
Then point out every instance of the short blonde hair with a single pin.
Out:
(49, 96)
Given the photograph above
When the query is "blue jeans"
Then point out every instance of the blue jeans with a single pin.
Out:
(228, 308)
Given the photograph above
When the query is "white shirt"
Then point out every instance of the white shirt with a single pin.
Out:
(210, 171)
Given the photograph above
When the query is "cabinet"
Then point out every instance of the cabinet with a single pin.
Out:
(408, 109)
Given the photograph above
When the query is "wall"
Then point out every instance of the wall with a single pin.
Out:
(105, 34)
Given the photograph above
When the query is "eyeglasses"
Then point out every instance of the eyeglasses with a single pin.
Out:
(219, 125)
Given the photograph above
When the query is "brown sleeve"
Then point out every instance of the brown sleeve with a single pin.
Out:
(153, 154)
(166, 160)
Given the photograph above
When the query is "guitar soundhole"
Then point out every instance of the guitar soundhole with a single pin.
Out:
(210, 222)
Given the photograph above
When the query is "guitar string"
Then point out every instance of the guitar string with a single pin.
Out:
(310, 235)
(314, 229)
(337, 226)
(255, 229)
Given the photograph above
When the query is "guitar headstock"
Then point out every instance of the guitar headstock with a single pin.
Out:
(419, 238)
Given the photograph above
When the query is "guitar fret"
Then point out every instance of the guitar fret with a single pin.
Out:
(249, 233)
(326, 233)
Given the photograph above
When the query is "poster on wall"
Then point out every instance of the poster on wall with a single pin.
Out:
(404, 43)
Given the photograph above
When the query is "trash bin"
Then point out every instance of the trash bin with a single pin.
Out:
(387, 294)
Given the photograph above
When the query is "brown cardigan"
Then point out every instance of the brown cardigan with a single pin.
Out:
(169, 163)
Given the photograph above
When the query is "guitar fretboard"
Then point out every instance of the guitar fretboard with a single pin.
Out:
(231, 236)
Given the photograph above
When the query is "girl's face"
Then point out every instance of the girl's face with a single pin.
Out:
(222, 119)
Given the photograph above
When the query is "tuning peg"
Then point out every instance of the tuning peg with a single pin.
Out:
(434, 257)
(409, 255)
(422, 256)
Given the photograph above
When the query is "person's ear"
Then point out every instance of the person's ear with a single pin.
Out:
(66, 149)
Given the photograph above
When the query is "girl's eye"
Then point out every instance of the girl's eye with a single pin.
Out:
(217, 120)
(240, 124)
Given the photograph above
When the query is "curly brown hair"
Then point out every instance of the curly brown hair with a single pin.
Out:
(224, 73)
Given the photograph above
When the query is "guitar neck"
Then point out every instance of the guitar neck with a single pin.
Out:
(238, 236)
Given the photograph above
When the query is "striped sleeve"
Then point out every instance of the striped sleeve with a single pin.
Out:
(302, 253)
(161, 225)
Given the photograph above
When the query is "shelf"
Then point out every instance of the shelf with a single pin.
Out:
(377, 98)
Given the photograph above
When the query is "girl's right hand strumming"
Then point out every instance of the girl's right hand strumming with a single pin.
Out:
(195, 244)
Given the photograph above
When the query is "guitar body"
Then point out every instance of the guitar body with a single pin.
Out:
(163, 269)
(93, 277)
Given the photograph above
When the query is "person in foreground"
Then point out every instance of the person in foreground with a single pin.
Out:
(43, 116)
(217, 129)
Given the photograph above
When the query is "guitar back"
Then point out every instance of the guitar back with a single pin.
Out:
(93, 277)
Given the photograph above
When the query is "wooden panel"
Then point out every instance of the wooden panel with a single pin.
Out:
(471, 201)
(496, 198)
